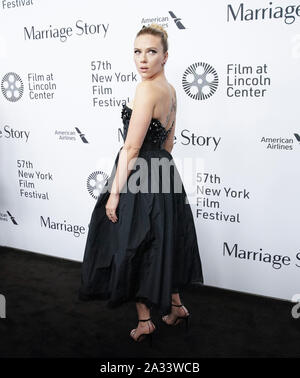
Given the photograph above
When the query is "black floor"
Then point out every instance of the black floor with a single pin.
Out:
(44, 318)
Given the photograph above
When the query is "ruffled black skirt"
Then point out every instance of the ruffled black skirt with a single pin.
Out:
(152, 250)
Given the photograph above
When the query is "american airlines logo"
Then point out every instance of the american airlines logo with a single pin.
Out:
(12, 218)
(70, 135)
(82, 136)
(164, 21)
(177, 20)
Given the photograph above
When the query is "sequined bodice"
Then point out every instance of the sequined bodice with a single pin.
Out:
(156, 133)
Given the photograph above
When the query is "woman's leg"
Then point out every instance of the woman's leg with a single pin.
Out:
(143, 327)
(175, 311)
(142, 310)
(175, 296)
(176, 299)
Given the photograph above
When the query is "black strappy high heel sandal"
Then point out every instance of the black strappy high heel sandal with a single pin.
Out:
(143, 335)
(179, 318)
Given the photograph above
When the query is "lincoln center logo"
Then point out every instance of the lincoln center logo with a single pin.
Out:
(12, 87)
(200, 81)
(96, 182)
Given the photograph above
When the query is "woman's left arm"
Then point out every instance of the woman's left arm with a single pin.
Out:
(140, 119)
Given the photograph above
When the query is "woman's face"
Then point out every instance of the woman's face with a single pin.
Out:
(149, 55)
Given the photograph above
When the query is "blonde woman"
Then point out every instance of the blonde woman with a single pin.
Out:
(142, 244)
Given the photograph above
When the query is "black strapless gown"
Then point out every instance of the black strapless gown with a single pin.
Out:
(152, 250)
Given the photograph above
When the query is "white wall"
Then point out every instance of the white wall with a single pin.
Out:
(228, 150)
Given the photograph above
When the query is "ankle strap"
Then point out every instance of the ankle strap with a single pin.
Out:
(144, 320)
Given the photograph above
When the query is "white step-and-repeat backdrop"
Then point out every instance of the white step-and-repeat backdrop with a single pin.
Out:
(66, 69)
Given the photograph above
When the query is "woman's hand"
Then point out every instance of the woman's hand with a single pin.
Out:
(111, 206)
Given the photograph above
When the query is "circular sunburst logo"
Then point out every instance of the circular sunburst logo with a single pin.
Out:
(12, 87)
(95, 183)
(200, 81)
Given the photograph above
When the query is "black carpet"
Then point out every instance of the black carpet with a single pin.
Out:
(44, 318)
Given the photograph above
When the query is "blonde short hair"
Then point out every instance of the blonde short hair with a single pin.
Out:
(157, 30)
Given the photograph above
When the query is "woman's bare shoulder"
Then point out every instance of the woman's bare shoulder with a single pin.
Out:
(153, 90)
(145, 90)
